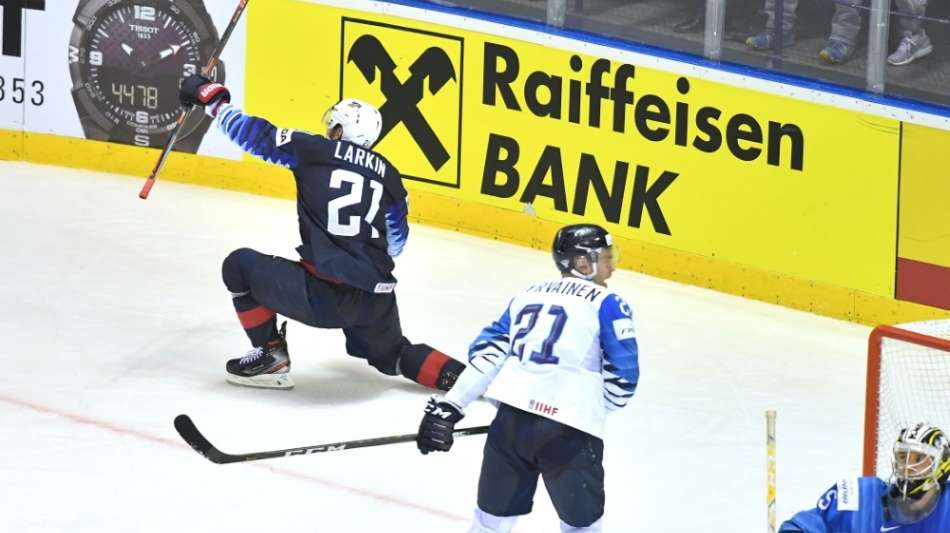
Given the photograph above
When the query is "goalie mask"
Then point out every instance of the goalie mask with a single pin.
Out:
(361, 121)
(920, 466)
(580, 241)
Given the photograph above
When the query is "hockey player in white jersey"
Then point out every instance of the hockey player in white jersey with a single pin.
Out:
(562, 354)
(914, 501)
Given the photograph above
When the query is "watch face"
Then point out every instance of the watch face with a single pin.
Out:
(131, 58)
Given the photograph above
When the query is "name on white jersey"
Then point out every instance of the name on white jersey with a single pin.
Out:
(568, 287)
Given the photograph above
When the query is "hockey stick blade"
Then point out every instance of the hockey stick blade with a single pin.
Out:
(189, 432)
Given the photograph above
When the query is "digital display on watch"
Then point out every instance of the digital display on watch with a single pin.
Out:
(137, 57)
(127, 60)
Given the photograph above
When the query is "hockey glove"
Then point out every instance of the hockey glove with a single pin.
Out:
(435, 431)
(200, 91)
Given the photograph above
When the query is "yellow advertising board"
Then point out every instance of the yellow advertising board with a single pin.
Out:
(773, 183)
(923, 263)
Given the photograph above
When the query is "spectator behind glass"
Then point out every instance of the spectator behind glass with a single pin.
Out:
(737, 27)
(845, 26)
(694, 16)
(914, 43)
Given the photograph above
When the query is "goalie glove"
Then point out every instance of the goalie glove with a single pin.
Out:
(438, 423)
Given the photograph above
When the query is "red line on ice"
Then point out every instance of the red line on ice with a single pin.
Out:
(108, 426)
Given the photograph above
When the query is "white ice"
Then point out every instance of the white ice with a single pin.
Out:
(114, 319)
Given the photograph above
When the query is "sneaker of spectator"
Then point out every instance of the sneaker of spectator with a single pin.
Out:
(694, 16)
(910, 48)
(763, 41)
(690, 24)
(837, 52)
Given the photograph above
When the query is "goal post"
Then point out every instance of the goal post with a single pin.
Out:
(908, 381)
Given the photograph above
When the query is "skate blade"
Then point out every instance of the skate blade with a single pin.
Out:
(263, 381)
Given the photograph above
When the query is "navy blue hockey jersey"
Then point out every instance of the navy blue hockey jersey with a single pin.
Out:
(351, 203)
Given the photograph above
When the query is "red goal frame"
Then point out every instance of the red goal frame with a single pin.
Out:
(875, 341)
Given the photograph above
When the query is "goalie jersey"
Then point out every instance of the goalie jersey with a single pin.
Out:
(856, 506)
(564, 350)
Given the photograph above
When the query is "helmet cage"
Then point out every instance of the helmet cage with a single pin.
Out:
(915, 467)
(920, 464)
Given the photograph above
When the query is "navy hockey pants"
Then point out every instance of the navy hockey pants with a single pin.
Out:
(263, 285)
(520, 447)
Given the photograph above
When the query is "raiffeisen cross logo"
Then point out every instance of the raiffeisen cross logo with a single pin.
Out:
(414, 77)
(402, 98)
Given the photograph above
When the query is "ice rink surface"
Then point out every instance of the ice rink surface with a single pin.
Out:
(115, 319)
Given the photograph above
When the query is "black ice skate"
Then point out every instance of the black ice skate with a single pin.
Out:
(266, 366)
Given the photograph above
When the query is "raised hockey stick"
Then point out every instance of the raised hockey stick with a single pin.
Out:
(212, 61)
(186, 428)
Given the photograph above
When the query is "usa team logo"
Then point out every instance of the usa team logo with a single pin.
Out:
(415, 78)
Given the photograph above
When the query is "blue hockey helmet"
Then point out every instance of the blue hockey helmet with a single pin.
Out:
(579, 240)
(920, 468)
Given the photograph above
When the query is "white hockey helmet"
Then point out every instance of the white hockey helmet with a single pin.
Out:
(360, 121)
(920, 468)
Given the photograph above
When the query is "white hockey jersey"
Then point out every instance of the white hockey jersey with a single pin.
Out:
(565, 350)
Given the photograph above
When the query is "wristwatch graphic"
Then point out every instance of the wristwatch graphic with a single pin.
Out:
(127, 59)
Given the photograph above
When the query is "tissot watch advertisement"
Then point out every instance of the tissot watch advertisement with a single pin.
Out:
(109, 70)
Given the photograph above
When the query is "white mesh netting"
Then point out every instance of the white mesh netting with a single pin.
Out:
(914, 386)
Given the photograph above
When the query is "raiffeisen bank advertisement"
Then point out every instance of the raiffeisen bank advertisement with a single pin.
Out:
(783, 193)
(688, 169)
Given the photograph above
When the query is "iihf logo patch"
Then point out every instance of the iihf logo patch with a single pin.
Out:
(543, 408)
(422, 110)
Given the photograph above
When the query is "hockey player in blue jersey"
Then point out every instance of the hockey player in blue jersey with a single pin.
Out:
(351, 208)
(562, 355)
(914, 501)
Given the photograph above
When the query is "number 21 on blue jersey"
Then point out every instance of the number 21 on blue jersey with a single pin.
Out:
(527, 319)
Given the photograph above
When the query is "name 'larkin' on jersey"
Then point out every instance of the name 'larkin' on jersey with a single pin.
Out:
(358, 156)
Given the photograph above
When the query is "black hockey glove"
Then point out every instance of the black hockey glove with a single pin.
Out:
(435, 431)
(200, 91)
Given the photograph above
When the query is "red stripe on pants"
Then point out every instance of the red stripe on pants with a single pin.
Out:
(255, 317)
(431, 368)
(313, 271)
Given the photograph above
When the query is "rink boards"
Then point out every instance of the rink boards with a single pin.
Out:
(785, 194)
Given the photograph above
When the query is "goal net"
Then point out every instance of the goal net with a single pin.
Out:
(908, 381)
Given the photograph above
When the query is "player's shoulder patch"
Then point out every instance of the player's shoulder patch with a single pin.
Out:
(623, 329)
(849, 494)
(283, 136)
(615, 310)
